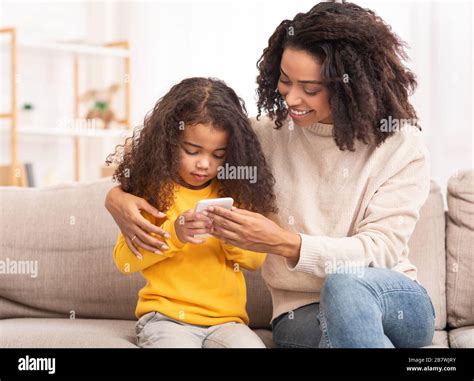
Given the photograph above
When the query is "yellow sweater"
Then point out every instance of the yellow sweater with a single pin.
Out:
(197, 284)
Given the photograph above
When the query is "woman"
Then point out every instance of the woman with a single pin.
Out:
(349, 184)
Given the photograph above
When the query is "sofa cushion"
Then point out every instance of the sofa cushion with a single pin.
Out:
(440, 340)
(427, 252)
(462, 337)
(259, 300)
(67, 232)
(67, 333)
(77, 333)
(460, 249)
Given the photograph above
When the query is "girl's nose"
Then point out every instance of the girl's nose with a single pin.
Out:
(202, 164)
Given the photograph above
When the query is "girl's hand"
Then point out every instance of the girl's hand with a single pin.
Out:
(189, 223)
(125, 209)
(253, 231)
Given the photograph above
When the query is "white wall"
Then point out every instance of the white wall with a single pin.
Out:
(440, 40)
(175, 40)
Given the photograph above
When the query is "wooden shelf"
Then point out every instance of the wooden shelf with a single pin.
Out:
(76, 48)
(118, 49)
(84, 132)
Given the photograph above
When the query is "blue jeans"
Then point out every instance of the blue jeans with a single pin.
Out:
(379, 309)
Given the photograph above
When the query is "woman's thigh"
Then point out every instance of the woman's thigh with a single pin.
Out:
(381, 303)
(298, 329)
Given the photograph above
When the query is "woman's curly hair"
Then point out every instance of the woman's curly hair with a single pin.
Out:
(361, 66)
(148, 161)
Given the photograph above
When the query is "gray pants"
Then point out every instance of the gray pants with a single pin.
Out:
(155, 330)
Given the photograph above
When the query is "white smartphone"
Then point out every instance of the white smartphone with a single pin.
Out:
(223, 202)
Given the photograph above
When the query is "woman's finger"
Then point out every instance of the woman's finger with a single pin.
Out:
(140, 243)
(150, 243)
(147, 226)
(225, 223)
(213, 211)
(233, 243)
(144, 205)
(225, 234)
(132, 248)
(199, 231)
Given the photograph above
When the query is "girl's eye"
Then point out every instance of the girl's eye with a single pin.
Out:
(311, 92)
(190, 153)
(219, 157)
(286, 82)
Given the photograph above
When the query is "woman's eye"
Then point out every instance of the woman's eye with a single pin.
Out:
(311, 92)
(284, 81)
(219, 156)
(190, 153)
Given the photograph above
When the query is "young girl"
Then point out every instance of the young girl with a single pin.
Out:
(195, 294)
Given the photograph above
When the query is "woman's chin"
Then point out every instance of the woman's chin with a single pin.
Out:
(304, 122)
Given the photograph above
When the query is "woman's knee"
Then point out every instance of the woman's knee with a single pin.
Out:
(341, 286)
(298, 329)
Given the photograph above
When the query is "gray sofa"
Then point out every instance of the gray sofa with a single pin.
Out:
(59, 286)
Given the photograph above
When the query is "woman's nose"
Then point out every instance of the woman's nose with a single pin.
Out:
(292, 98)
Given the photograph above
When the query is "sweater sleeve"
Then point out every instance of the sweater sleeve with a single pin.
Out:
(249, 260)
(383, 233)
(128, 263)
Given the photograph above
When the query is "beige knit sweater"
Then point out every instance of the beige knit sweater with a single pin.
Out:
(351, 209)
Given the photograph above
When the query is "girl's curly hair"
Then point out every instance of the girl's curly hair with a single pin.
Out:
(148, 161)
(361, 66)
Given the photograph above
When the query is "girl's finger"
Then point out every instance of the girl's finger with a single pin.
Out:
(199, 231)
(195, 241)
(197, 225)
(188, 216)
(201, 217)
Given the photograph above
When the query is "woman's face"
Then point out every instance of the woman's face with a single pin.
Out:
(301, 86)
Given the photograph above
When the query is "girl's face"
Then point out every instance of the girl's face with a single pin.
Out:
(301, 86)
(202, 150)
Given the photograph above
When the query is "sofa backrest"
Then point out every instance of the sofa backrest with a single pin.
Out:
(460, 249)
(428, 254)
(68, 233)
(69, 236)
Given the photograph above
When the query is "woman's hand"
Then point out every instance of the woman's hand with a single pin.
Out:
(189, 223)
(125, 209)
(252, 231)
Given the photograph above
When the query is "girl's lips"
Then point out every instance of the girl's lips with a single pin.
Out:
(199, 177)
(298, 117)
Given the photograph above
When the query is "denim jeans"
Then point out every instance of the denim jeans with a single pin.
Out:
(155, 330)
(377, 308)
